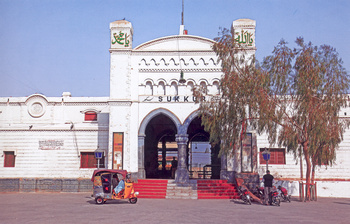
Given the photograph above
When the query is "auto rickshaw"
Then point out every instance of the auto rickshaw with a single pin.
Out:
(106, 180)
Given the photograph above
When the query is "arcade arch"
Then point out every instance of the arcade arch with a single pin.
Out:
(162, 137)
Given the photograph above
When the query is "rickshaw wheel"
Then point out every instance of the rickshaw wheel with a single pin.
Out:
(99, 200)
(133, 200)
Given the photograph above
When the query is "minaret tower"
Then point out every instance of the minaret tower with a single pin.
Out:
(121, 47)
(244, 31)
(122, 129)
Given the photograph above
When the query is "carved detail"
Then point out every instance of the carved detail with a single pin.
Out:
(173, 61)
(175, 70)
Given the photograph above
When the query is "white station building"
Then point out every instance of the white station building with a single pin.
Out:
(149, 118)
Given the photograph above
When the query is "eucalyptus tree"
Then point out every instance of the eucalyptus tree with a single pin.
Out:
(227, 116)
(308, 87)
(294, 96)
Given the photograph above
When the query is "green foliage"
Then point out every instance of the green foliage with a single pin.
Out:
(309, 84)
(295, 96)
(227, 117)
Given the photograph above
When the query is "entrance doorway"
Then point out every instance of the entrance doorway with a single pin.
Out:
(203, 159)
(199, 159)
(167, 154)
(160, 147)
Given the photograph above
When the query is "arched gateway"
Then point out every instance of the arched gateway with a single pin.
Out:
(163, 138)
(153, 113)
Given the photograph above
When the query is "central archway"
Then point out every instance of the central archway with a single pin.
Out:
(157, 145)
(162, 137)
(160, 131)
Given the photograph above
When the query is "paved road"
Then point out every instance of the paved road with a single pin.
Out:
(81, 208)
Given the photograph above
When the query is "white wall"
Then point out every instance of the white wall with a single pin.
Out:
(63, 123)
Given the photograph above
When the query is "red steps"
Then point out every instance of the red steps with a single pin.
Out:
(206, 189)
(151, 188)
(216, 189)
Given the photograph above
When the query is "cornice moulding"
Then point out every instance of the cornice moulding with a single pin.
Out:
(179, 70)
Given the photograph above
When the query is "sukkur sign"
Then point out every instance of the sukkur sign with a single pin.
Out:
(173, 99)
(51, 144)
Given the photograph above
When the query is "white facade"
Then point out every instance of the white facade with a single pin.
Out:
(49, 134)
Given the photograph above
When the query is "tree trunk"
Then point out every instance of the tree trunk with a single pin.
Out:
(313, 174)
(301, 164)
(308, 171)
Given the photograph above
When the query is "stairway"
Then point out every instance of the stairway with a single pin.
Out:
(196, 189)
(151, 188)
(182, 191)
(216, 189)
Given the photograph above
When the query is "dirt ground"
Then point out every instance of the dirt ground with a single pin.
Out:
(81, 208)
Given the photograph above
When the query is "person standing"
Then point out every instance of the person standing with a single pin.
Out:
(268, 179)
(173, 167)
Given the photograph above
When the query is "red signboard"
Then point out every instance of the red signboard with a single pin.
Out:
(118, 140)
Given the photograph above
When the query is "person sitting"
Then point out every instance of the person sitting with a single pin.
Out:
(120, 186)
(115, 180)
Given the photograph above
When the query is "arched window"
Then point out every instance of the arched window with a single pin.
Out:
(149, 88)
(204, 86)
(216, 88)
(173, 89)
(161, 88)
(90, 116)
(189, 87)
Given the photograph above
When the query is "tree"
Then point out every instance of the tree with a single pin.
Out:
(295, 97)
(226, 117)
(307, 91)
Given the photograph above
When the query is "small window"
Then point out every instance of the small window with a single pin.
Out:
(149, 89)
(161, 88)
(88, 160)
(216, 87)
(90, 116)
(277, 156)
(173, 89)
(9, 159)
(204, 87)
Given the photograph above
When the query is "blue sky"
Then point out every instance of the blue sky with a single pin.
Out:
(53, 46)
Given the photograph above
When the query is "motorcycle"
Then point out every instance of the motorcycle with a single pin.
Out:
(259, 192)
(245, 195)
(274, 197)
(284, 193)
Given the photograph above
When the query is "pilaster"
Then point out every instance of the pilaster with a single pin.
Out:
(182, 174)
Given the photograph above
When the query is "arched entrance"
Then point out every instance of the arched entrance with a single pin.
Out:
(160, 147)
(162, 137)
(157, 144)
(203, 159)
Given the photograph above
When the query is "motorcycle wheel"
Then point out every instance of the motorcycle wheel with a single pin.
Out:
(278, 202)
(283, 197)
(249, 202)
(99, 200)
(244, 199)
(133, 200)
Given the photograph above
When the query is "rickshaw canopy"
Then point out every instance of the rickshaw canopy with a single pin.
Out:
(122, 172)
